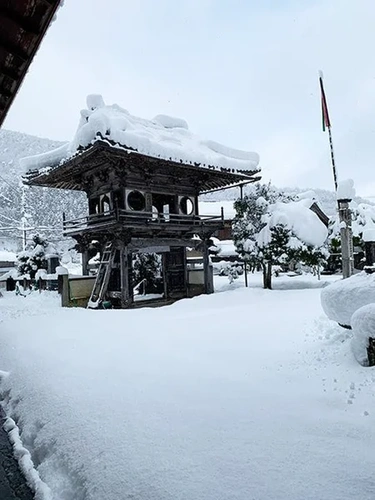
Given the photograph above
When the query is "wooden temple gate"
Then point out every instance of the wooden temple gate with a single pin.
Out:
(139, 203)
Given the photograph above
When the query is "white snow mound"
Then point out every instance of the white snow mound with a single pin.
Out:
(369, 234)
(363, 326)
(171, 122)
(163, 137)
(345, 190)
(342, 299)
(297, 217)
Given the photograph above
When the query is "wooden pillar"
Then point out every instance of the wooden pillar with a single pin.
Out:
(85, 262)
(165, 275)
(245, 273)
(124, 273)
(207, 269)
(148, 198)
(63, 284)
(370, 253)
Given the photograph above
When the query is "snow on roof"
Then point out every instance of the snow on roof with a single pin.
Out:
(310, 196)
(297, 217)
(163, 137)
(6, 256)
(224, 248)
(214, 208)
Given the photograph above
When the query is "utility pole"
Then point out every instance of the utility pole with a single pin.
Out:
(23, 214)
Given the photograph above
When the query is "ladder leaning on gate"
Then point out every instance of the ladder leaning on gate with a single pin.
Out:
(102, 278)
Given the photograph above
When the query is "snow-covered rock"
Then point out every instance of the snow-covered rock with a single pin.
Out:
(342, 299)
(363, 326)
(163, 137)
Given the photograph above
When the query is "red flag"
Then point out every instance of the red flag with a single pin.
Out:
(325, 116)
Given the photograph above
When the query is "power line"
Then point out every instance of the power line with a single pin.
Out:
(11, 187)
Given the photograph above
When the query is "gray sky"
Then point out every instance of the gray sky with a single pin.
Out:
(240, 72)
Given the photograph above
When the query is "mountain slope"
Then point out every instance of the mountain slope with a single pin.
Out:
(44, 207)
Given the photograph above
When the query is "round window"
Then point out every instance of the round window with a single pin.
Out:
(186, 206)
(136, 201)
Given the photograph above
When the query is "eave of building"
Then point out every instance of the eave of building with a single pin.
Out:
(23, 24)
(69, 175)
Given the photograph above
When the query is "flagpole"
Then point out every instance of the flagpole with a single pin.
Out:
(344, 211)
(327, 123)
(332, 157)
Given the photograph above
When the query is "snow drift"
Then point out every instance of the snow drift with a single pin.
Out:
(363, 326)
(342, 299)
(224, 397)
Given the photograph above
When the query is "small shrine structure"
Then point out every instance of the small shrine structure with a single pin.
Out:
(142, 179)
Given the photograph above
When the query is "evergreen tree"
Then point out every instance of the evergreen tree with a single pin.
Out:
(264, 240)
(33, 258)
(147, 266)
(249, 221)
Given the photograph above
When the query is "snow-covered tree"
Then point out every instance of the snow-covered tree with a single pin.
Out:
(147, 266)
(272, 229)
(34, 257)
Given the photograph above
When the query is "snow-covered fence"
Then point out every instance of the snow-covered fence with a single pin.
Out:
(9, 282)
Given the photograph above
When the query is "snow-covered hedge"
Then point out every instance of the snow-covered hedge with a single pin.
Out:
(342, 299)
(363, 326)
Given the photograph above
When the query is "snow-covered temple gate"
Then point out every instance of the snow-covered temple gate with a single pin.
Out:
(142, 195)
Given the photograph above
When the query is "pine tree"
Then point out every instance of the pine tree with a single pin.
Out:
(33, 258)
(147, 266)
(249, 221)
(265, 240)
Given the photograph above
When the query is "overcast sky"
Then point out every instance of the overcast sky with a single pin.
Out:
(240, 72)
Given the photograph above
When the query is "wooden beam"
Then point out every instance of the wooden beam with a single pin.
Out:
(13, 49)
(162, 242)
(125, 278)
(207, 269)
(27, 24)
(10, 73)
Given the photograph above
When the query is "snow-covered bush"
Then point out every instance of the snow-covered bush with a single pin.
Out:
(363, 326)
(272, 229)
(340, 300)
(231, 269)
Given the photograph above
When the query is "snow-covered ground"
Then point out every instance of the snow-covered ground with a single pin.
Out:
(244, 394)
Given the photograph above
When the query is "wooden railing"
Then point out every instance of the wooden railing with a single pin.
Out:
(132, 218)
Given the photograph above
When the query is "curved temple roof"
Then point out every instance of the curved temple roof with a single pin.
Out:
(163, 138)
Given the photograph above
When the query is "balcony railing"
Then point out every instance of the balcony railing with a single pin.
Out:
(134, 219)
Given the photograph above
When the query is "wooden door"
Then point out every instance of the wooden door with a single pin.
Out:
(175, 272)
